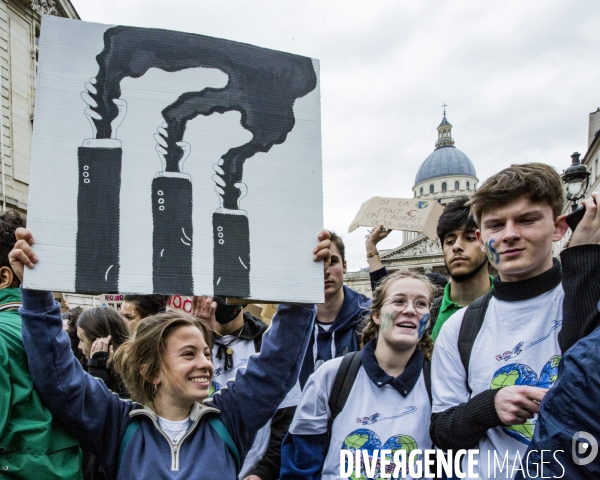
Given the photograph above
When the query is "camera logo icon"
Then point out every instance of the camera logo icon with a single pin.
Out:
(586, 445)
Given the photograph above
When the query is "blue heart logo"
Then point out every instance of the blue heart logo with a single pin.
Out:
(520, 374)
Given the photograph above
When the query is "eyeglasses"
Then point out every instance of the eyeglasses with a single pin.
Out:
(399, 304)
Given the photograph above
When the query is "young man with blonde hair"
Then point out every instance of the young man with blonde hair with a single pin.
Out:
(495, 360)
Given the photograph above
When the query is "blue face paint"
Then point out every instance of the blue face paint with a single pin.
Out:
(423, 324)
(490, 251)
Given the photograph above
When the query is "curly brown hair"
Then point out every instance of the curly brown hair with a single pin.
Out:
(371, 329)
(139, 360)
(9, 222)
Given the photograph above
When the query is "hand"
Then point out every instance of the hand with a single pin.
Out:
(86, 96)
(204, 308)
(321, 251)
(116, 123)
(515, 404)
(588, 230)
(103, 345)
(220, 183)
(375, 236)
(22, 255)
(162, 145)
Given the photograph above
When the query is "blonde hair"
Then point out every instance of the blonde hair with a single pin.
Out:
(371, 329)
(139, 360)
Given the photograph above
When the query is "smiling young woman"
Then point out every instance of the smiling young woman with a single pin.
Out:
(167, 367)
(389, 403)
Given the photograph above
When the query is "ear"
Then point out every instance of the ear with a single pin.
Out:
(480, 240)
(560, 228)
(375, 318)
(345, 266)
(7, 277)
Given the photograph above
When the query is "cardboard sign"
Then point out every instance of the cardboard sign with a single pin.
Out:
(408, 214)
(180, 164)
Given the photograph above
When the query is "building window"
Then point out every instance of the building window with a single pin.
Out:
(431, 188)
(421, 191)
(456, 185)
(468, 186)
(444, 186)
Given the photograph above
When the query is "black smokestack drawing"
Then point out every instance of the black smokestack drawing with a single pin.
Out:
(262, 85)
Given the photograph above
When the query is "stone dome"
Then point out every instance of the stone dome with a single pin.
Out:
(445, 161)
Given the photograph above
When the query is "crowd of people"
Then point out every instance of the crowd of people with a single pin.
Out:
(505, 365)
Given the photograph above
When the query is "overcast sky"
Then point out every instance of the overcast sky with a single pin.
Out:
(519, 78)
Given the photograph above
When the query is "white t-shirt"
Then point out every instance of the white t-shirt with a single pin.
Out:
(242, 350)
(175, 429)
(373, 417)
(517, 345)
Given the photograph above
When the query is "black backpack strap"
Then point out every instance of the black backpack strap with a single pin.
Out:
(435, 309)
(342, 384)
(469, 329)
(427, 377)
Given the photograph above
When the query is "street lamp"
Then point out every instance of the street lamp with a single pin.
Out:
(577, 179)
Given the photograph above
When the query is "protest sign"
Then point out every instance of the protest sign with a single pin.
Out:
(407, 214)
(179, 163)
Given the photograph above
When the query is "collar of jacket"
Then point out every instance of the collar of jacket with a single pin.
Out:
(530, 288)
(404, 382)
(10, 298)
(352, 311)
(198, 410)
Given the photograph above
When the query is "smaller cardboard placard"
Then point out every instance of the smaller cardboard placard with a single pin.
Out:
(407, 214)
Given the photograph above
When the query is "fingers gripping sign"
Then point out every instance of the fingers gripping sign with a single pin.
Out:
(321, 251)
(22, 254)
(588, 230)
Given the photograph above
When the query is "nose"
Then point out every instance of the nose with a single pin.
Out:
(511, 232)
(410, 308)
(458, 246)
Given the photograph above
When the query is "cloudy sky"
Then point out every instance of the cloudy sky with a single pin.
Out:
(519, 78)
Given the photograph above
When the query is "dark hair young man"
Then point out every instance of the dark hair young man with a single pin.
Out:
(32, 443)
(467, 264)
(337, 329)
(513, 359)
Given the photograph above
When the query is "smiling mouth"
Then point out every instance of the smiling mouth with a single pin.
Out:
(200, 379)
(406, 325)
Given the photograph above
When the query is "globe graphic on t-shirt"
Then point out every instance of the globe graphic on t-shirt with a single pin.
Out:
(520, 374)
(362, 439)
(214, 388)
(365, 439)
(513, 374)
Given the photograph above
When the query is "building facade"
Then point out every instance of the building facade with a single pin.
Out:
(20, 22)
(444, 175)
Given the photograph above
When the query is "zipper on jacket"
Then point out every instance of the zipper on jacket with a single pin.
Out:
(175, 447)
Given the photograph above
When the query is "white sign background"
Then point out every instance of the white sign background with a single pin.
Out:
(284, 201)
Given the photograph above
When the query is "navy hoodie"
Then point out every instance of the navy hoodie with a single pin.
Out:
(343, 332)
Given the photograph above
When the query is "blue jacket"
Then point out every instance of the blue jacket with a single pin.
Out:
(569, 407)
(342, 333)
(98, 418)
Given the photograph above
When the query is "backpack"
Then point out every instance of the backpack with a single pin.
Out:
(469, 329)
(215, 423)
(345, 377)
(435, 309)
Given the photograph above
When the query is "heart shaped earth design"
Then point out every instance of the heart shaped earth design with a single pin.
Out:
(520, 374)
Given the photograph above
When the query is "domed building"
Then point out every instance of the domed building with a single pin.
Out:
(444, 175)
